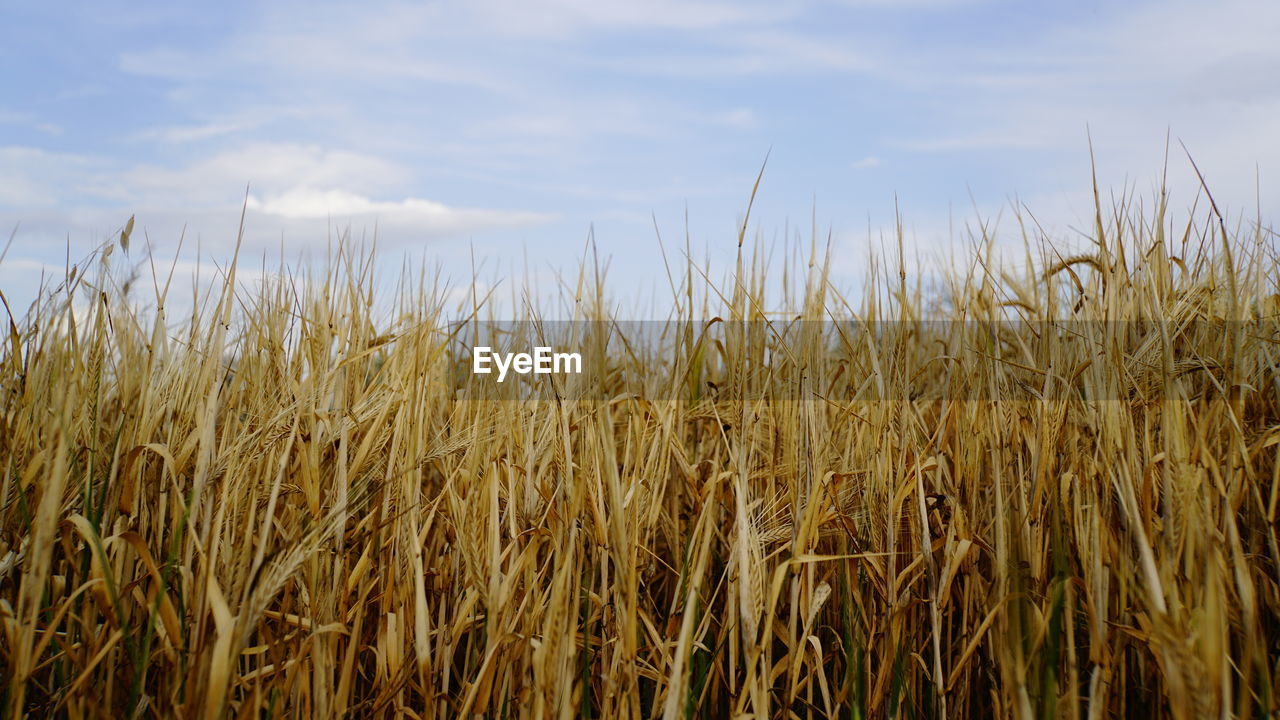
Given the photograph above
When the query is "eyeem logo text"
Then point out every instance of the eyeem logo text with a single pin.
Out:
(542, 361)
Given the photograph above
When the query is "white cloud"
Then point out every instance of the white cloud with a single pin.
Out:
(307, 203)
(296, 189)
(869, 161)
(222, 177)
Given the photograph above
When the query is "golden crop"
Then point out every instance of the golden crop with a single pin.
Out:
(1047, 489)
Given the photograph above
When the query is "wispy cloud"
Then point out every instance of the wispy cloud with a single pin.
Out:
(740, 117)
(38, 178)
(20, 119)
(1148, 67)
(561, 17)
(237, 124)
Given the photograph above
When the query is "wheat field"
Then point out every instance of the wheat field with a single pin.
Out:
(1039, 486)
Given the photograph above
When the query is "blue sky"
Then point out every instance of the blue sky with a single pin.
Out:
(511, 128)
